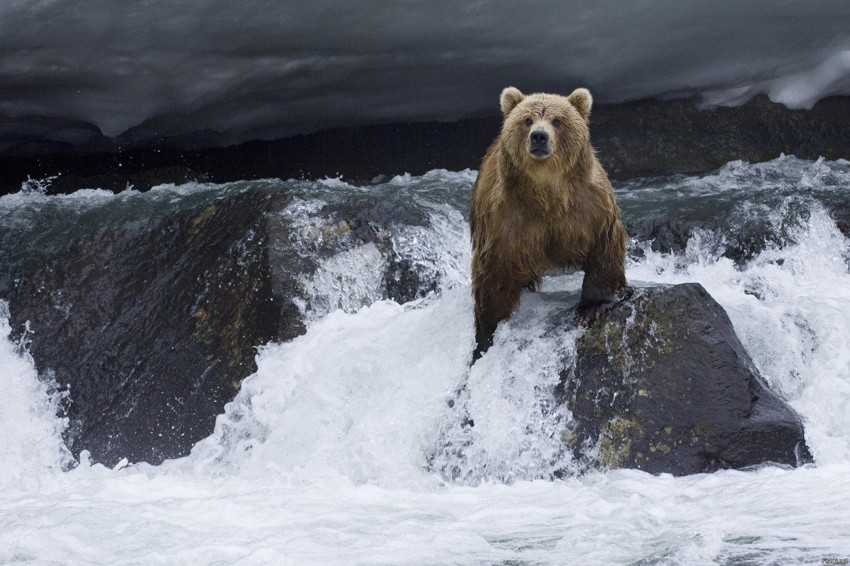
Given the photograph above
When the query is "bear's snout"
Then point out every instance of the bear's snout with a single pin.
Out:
(539, 137)
(538, 144)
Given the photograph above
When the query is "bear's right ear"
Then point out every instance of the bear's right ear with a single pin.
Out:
(582, 100)
(511, 96)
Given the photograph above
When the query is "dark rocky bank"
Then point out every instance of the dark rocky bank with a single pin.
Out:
(642, 138)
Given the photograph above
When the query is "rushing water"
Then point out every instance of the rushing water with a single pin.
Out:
(343, 448)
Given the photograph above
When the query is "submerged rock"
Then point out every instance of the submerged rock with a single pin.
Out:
(664, 385)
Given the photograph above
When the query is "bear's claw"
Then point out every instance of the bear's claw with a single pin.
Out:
(587, 314)
(592, 313)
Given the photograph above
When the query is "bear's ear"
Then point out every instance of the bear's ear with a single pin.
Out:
(581, 99)
(511, 96)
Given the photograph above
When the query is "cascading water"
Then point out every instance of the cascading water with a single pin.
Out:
(352, 443)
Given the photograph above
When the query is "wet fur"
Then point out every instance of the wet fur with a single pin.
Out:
(527, 214)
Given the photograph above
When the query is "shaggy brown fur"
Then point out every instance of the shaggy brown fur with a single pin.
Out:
(542, 200)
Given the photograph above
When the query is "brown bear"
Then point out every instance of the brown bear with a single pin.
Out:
(542, 200)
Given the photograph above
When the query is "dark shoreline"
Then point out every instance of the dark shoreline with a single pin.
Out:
(634, 139)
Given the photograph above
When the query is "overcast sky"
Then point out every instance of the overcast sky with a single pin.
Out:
(268, 68)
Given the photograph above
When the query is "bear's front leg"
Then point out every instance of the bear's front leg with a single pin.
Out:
(493, 304)
(604, 275)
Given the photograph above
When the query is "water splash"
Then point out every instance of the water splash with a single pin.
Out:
(31, 442)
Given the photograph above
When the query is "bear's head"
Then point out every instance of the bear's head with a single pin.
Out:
(545, 130)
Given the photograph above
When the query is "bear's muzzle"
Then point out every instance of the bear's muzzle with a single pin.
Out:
(538, 144)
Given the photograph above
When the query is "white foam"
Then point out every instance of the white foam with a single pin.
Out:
(359, 396)
(31, 443)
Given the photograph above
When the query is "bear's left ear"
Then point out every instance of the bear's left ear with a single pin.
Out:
(581, 99)
(511, 96)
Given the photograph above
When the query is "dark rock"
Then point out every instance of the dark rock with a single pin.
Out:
(373, 219)
(405, 280)
(149, 311)
(663, 384)
(739, 240)
(152, 324)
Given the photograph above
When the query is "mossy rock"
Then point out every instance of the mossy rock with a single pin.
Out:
(663, 384)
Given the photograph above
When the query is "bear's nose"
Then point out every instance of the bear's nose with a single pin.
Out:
(539, 137)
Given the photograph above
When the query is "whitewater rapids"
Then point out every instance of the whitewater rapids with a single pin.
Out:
(327, 455)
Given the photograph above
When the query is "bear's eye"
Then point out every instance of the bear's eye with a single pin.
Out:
(556, 123)
(528, 122)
